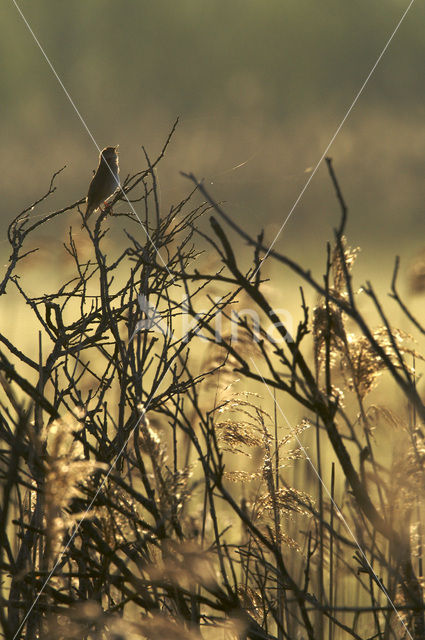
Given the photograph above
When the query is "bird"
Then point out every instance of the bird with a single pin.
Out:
(104, 182)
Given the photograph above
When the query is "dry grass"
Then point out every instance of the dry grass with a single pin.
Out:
(152, 484)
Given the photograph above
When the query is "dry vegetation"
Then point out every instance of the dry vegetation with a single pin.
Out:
(146, 490)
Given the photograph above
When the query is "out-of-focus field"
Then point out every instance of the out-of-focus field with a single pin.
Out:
(260, 88)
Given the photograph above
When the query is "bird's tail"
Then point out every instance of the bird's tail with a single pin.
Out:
(89, 211)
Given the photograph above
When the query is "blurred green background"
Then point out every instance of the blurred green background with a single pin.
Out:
(260, 88)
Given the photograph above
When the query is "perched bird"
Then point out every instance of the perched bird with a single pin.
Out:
(105, 181)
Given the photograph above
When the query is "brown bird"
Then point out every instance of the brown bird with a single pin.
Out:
(105, 181)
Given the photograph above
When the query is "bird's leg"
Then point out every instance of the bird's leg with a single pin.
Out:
(108, 208)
